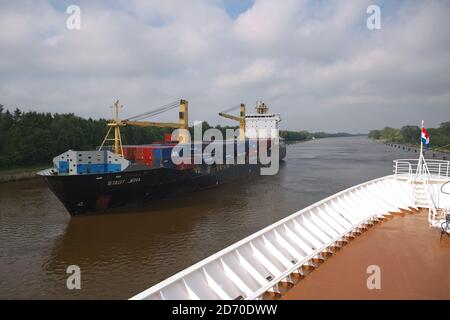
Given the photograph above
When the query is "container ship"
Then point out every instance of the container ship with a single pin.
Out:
(116, 175)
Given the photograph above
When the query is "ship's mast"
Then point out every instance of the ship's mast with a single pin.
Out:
(261, 107)
(115, 124)
(421, 157)
(117, 137)
(240, 119)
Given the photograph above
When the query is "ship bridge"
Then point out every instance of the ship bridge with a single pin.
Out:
(261, 123)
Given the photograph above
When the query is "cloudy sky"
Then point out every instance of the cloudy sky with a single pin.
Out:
(314, 62)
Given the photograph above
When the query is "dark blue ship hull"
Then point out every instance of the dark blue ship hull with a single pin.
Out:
(98, 192)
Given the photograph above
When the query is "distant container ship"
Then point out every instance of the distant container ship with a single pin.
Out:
(119, 175)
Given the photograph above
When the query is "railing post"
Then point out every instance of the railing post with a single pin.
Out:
(396, 163)
(448, 162)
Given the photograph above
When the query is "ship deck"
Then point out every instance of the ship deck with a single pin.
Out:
(414, 263)
(325, 250)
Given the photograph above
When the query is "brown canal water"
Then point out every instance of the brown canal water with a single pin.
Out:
(125, 252)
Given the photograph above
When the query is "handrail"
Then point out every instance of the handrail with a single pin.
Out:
(421, 170)
(436, 169)
(430, 193)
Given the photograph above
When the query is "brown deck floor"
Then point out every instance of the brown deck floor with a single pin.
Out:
(414, 264)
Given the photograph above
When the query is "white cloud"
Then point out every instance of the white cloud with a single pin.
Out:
(267, 22)
(257, 72)
(315, 62)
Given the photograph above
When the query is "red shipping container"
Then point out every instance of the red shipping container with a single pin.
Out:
(143, 155)
(129, 153)
(148, 156)
(139, 153)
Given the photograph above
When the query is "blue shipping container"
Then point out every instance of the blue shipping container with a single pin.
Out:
(63, 167)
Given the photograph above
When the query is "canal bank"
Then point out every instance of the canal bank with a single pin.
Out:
(17, 177)
(414, 150)
(17, 174)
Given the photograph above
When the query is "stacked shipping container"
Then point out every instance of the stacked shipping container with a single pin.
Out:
(160, 155)
(89, 162)
(155, 155)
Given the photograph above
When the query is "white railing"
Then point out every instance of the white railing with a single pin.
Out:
(431, 169)
(256, 264)
(422, 171)
(432, 209)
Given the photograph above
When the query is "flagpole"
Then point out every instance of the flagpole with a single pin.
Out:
(421, 142)
(419, 164)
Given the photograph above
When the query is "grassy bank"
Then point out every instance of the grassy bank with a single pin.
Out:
(417, 146)
(20, 172)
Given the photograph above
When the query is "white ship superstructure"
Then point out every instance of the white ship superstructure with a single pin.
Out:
(262, 123)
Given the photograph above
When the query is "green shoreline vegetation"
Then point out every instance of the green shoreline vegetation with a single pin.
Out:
(410, 135)
(29, 140)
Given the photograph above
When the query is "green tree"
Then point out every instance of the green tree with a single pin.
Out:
(389, 134)
(439, 137)
(410, 134)
(375, 134)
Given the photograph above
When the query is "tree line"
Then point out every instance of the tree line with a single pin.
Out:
(439, 137)
(33, 138)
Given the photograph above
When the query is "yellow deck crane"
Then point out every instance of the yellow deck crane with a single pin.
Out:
(240, 119)
(116, 123)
